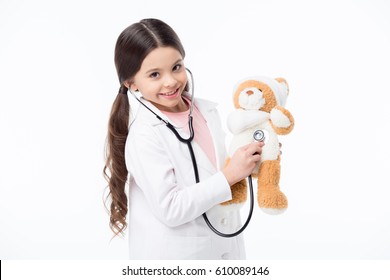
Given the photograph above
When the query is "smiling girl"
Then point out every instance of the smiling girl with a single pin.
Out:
(164, 205)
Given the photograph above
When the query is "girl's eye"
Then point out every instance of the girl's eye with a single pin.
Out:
(154, 75)
(177, 67)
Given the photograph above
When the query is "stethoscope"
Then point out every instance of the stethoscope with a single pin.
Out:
(258, 136)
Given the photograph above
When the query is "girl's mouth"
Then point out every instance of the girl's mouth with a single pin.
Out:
(171, 94)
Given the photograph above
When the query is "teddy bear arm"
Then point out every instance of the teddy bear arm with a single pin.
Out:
(281, 120)
(240, 120)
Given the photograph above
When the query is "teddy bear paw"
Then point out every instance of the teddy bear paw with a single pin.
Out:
(273, 203)
(273, 211)
(279, 117)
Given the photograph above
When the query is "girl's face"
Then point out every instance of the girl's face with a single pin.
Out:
(162, 79)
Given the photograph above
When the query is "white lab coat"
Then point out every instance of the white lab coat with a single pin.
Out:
(165, 205)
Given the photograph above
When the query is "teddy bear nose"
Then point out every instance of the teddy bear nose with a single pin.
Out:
(249, 92)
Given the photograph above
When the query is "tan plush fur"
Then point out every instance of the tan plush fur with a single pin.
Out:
(269, 195)
(283, 80)
(284, 130)
(281, 122)
(239, 192)
(268, 94)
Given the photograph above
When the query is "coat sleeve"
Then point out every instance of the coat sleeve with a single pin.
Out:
(150, 166)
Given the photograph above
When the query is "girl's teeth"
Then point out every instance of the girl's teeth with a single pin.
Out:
(169, 93)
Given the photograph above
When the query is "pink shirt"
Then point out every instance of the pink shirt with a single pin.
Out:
(202, 133)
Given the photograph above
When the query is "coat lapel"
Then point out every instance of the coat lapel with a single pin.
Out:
(209, 112)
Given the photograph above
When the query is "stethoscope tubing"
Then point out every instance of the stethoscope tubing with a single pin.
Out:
(195, 165)
(197, 180)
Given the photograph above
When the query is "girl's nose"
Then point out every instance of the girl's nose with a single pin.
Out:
(170, 81)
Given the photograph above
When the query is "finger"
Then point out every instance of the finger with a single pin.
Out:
(256, 145)
(256, 158)
(254, 148)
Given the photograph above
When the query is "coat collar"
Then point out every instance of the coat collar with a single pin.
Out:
(203, 105)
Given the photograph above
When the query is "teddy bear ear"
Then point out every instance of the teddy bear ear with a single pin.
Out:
(283, 82)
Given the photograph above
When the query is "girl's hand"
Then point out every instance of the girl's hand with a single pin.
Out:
(243, 162)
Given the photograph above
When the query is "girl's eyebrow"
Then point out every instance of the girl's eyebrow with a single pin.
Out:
(177, 61)
(158, 69)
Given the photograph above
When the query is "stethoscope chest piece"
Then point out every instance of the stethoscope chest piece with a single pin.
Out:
(261, 136)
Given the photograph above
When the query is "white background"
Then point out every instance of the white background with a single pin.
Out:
(58, 81)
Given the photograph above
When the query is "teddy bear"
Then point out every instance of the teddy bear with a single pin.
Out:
(260, 108)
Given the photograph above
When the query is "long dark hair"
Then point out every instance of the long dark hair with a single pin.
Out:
(132, 46)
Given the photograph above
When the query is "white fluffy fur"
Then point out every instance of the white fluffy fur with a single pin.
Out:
(272, 211)
(251, 101)
(240, 119)
(279, 119)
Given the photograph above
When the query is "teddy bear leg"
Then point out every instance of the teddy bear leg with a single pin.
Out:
(271, 200)
(239, 192)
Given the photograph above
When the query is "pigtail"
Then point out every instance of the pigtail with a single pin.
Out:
(115, 171)
(132, 46)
